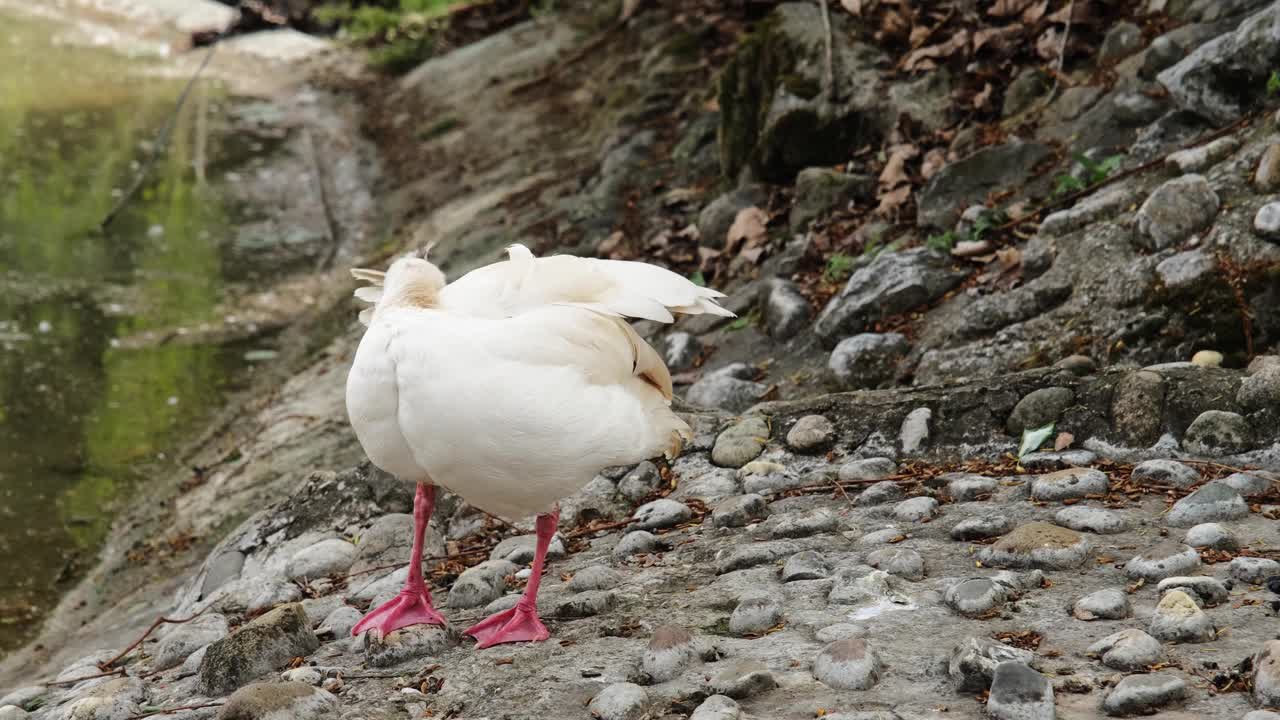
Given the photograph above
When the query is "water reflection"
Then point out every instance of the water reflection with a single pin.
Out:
(78, 411)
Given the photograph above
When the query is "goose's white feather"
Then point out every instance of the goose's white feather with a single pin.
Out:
(514, 385)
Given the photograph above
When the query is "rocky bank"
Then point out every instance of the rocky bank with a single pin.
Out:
(856, 531)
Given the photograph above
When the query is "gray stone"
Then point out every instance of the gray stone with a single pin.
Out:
(854, 586)
(619, 701)
(1261, 715)
(182, 640)
(976, 597)
(637, 484)
(1020, 693)
(729, 388)
(1245, 55)
(23, 697)
(410, 643)
(521, 549)
(1027, 87)
(885, 536)
(262, 645)
(754, 615)
(588, 603)
(1210, 590)
(799, 523)
(738, 511)
(741, 442)
(973, 663)
(1250, 483)
(1266, 178)
(327, 557)
(848, 665)
(670, 651)
(1215, 502)
(1129, 649)
(740, 679)
(1187, 271)
(967, 487)
(338, 623)
(1178, 619)
(1069, 484)
(1216, 433)
(891, 284)
(1038, 545)
(969, 180)
(118, 699)
(917, 509)
(1137, 408)
(811, 432)
(284, 45)
(389, 540)
(1163, 52)
(481, 585)
(1261, 390)
(1266, 675)
(1089, 519)
(1108, 604)
(12, 712)
(903, 562)
(1211, 535)
(885, 491)
(981, 527)
(594, 577)
(806, 565)
(913, 437)
(820, 190)
(661, 513)
(1046, 460)
(1177, 209)
(867, 469)
(775, 119)
(867, 360)
(221, 570)
(305, 674)
(636, 542)
(1202, 157)
(786, 311)
(1121, 41)
(926, 100)
(681, 351)
(709, 486)
(753, 554)
(1143, 694)
(840, 631)
(1039, 408)
(717, 707)
(1166, 472)
(1166, 559)
(1254, 570)
(717, 217)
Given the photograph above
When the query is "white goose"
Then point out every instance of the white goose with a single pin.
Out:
(512, 387)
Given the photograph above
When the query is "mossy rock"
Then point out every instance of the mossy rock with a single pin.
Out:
(776, 115)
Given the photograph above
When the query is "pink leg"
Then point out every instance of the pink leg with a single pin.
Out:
(413, 605)
(521, 623)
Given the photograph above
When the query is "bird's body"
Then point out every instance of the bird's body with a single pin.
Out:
(516, 384)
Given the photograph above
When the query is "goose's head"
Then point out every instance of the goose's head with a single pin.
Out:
(413, 281)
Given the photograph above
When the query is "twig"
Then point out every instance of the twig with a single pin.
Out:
(331, 223)
(167, 711)
(159, 621)
(437, 558)
(578, 532)
(1111, 179)
(162, 142)
(1062, 56)
(828, 68)
(73, 681)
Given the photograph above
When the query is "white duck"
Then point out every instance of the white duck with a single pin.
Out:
(512, 387)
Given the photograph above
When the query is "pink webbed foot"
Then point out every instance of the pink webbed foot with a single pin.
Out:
(519, 624)
(407, 608)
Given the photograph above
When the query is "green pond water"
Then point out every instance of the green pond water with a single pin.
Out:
(87, 418)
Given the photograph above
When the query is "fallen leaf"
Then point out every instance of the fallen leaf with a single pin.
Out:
(629, 8)
(1032, 15)
(895, 167)
(958, 42)
(1009, 258)
(919, 34)
(982, 98)
(1077, 11)
(1063, 441)
(998, 38)
(610, 244)
(1049, 44)
(853, 6)
(970, 248)
(1033, 438)
(748, 229)
(893, 199)
(1005, 8)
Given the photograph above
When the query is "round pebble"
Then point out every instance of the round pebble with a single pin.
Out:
(848, 664)
(917, 509)
(1068, 484)
(1166, 472)
(1178, 619)
(1267, 220)
(810, 432)
(619, 701)
(976, 596)
(903, 562)
(1130, 649)
(1143, 694)
(1095, 520)
(982, 527)
(1166, 559)
(1211, 535)
(754, 615)
(1109, 604)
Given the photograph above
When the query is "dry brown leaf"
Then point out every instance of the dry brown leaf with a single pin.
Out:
(748, 229)
(895, 166)
(893, 199)
(751, 254)
(610, 244)
(853, 6)
(1005, 8)
(1009, 258)
(934, 160)
(629, 8)
(894, 24)
(1063, 441)
(982, 98)
(1078, 12)
(1032, 15)
(999, 38)
(707, 257)
(919, 34)
(1048, 44)
(958, 42)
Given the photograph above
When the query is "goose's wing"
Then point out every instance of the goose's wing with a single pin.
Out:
(615, 287)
